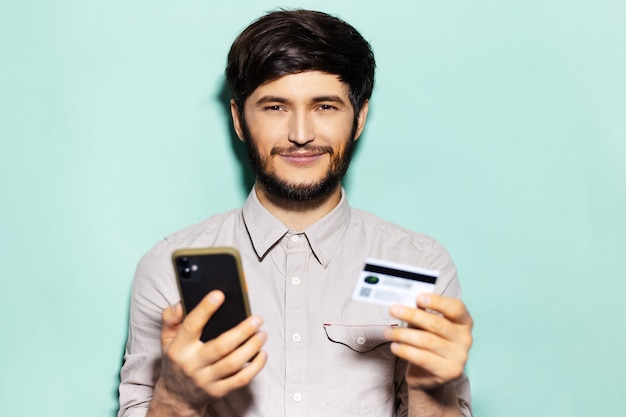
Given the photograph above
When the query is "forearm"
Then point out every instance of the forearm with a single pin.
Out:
(436, 402)
(165, 404)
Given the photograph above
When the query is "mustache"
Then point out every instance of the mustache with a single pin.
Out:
(278, 150)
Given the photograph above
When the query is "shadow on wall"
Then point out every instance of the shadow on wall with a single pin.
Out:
(239, 149)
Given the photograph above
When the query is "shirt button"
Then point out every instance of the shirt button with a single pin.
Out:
(360, 340)
(296, 337)
(297, 397)
(295, 281)
(295, 238)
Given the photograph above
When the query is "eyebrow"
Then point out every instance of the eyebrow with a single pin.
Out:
(283, 100)
(271, 99)
(332, 98)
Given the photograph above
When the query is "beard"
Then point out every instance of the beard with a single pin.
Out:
(284, 190)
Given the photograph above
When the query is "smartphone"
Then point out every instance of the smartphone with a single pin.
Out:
(200, 271)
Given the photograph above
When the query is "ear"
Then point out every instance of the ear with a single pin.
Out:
(360, 124)
(234, 112)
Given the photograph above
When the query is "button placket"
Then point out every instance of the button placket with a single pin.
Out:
(296, 354)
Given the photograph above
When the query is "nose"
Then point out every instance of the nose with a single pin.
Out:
(300, 128)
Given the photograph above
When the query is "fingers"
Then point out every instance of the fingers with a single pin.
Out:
(237, 343)
(196, 319)
(221, 365)
(422, 358)
(425, 341)
(173, 315)
(244, 377)
(429, 368)
(235, 370)
(453, 309)
(172, 319)
(208, 370)
(420, 319)
(436, 342)
(454, 323)
(438, 356)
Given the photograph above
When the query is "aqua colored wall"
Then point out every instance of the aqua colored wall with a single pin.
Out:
(498, 127)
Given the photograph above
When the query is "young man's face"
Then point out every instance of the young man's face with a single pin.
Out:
(299, 131)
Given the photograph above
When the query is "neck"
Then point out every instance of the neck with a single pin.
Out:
(295, 214)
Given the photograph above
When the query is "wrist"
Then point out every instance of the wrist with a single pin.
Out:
(440, 401)
(167, 403)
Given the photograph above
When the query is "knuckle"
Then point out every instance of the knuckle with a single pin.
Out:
(216, 391)
(188, 370)
(423, 339)
(172, 354)
(435, 324)
(240, 379)
(230, 365)
(458, 309)
(459, 370)
(454, 371)
(220, 348)
(454, 374)
(189, 324)
(463, 359)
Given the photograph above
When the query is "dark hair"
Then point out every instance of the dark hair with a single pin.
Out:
(292, 41)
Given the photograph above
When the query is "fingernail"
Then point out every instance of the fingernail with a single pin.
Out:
(423, 300)
(396, 310)
(388, 333)
(216, 297)
(262, 336)
(255, 322)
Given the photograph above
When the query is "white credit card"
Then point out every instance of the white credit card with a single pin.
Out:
(388, 283)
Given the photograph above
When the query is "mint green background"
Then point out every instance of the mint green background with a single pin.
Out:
(498, 127)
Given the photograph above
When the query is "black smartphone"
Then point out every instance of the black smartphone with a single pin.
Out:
(200, 271)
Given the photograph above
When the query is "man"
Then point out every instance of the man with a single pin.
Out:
(301, 83)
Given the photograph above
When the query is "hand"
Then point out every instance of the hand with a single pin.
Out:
(436, 346)
(193, 373)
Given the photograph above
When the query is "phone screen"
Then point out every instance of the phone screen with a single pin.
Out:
(200, 271)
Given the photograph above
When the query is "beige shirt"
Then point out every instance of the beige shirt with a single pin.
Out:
(326, 353)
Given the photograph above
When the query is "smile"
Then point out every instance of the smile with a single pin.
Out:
(302, 158)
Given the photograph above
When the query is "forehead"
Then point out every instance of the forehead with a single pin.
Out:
(303, 85)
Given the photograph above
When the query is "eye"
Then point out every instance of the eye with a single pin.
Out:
(274, 107)
(326, 107)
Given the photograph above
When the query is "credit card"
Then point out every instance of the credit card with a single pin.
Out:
(388, 283)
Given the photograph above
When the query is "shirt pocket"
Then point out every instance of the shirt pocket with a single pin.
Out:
(359, 367)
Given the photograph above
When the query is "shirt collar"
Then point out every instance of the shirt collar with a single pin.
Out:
(323, 236)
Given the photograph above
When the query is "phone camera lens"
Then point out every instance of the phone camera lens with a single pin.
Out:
(186, 272)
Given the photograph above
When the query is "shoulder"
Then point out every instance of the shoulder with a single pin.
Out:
(393, 242)
(217, 230)
(204, 232)
(372, 225)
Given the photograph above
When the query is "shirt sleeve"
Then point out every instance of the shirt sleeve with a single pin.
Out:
(153, 290)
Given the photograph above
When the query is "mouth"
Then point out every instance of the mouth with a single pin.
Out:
(303, 156)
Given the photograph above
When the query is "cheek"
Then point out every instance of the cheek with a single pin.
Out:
(336, 135)
(337, 125)
(268, 133)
